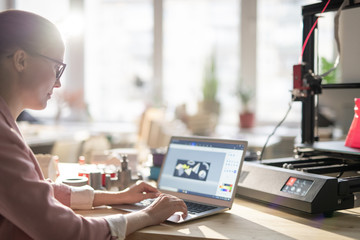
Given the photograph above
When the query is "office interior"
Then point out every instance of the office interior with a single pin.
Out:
(140, 71)
(126, 58)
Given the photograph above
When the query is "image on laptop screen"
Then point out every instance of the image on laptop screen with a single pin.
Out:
(202, 168)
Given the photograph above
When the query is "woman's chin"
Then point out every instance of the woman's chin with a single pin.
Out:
(40, 106)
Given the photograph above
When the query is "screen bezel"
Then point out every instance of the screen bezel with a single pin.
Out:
(196, 198)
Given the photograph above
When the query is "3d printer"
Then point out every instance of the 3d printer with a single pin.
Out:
(321, 177)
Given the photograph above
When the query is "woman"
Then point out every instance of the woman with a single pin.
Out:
(31, 64)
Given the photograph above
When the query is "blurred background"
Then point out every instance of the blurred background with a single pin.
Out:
(140, 71)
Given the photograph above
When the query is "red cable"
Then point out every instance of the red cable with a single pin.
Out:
(309, 34)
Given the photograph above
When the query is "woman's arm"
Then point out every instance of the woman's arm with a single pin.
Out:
(161, 209)
(133, 194)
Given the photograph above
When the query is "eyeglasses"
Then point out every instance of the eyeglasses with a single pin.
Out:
(60, 67)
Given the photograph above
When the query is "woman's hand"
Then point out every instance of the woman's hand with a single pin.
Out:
(165, 206)
(160, 210)
(138, 192)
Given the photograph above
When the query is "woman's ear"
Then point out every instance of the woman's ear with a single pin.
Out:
(20, 60)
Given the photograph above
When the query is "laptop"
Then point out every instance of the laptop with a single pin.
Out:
(202, 171)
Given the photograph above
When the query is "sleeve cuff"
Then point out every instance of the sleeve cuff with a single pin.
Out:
(117, 224)
(82, 197)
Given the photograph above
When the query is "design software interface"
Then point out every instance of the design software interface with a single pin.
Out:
(202, 168)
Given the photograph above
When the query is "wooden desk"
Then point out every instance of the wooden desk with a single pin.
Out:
(251, 220)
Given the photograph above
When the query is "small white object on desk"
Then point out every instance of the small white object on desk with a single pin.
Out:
(76, 182)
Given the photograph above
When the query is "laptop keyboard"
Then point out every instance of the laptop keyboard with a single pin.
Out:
(192, 207)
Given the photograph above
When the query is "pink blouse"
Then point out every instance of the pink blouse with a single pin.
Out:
(31, 207)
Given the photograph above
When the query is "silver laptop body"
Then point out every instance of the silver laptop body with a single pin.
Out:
(202, 171)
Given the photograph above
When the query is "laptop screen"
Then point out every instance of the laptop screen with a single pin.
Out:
(203, 168)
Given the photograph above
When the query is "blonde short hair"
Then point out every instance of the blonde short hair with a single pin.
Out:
(26, 30)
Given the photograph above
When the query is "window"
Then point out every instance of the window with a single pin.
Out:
(119, 53)
(193, 30)
(118, 57)
(279, 44)
(120, 76)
